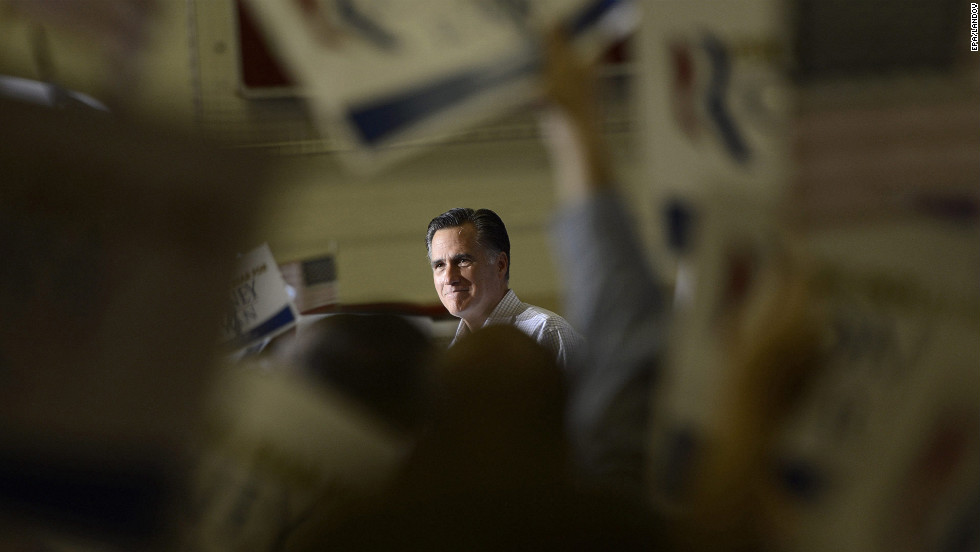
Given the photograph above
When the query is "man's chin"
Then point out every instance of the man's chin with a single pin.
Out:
(454, 309)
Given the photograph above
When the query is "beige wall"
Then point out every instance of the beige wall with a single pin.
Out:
(378, 224)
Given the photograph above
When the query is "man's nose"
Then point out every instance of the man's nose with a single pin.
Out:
(452, 275)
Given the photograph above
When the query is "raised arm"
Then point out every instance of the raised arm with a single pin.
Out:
(610, 292)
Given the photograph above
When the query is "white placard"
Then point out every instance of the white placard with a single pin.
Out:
(259, 305)
(379, 72)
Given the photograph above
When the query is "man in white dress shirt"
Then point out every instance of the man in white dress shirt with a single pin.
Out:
(469, 252)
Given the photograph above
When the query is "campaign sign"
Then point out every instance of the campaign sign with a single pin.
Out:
(378, 74)
(259, 305)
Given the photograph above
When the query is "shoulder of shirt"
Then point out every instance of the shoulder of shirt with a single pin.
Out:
(550, 321)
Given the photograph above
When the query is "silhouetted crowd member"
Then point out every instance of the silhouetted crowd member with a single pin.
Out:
(492, 471)
(311, 442)
(611, 295)
(379, 360)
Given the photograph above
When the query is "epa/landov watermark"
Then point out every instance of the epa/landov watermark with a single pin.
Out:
(974, 46)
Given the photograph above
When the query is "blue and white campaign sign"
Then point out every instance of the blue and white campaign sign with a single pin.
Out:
(259, 307)
(378, 73)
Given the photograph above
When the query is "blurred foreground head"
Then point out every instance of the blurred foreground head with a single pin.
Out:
(112, 284)
(490, 473)
(500, 383)
(379, 360)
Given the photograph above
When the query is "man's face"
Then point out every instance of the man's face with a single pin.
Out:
(468, 282)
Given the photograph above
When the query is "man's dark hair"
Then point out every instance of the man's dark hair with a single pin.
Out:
(490, 230)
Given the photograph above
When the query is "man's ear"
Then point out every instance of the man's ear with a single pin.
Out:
(502, 264)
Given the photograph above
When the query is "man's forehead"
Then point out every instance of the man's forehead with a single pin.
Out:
(464, 235)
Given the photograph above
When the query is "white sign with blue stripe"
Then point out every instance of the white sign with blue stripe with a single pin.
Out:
(259, 307)
(379, 73)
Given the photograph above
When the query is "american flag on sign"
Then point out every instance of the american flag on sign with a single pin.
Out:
(313, 282)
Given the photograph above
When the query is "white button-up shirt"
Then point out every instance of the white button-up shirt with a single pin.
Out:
(547, 328)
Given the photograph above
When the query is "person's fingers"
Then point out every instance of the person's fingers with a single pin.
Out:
(568, 78)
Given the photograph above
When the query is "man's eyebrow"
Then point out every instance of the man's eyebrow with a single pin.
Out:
(455, 258)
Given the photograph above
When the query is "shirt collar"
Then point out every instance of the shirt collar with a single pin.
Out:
(506, 309)
(503, 313)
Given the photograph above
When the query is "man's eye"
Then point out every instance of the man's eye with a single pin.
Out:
(464, 262)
